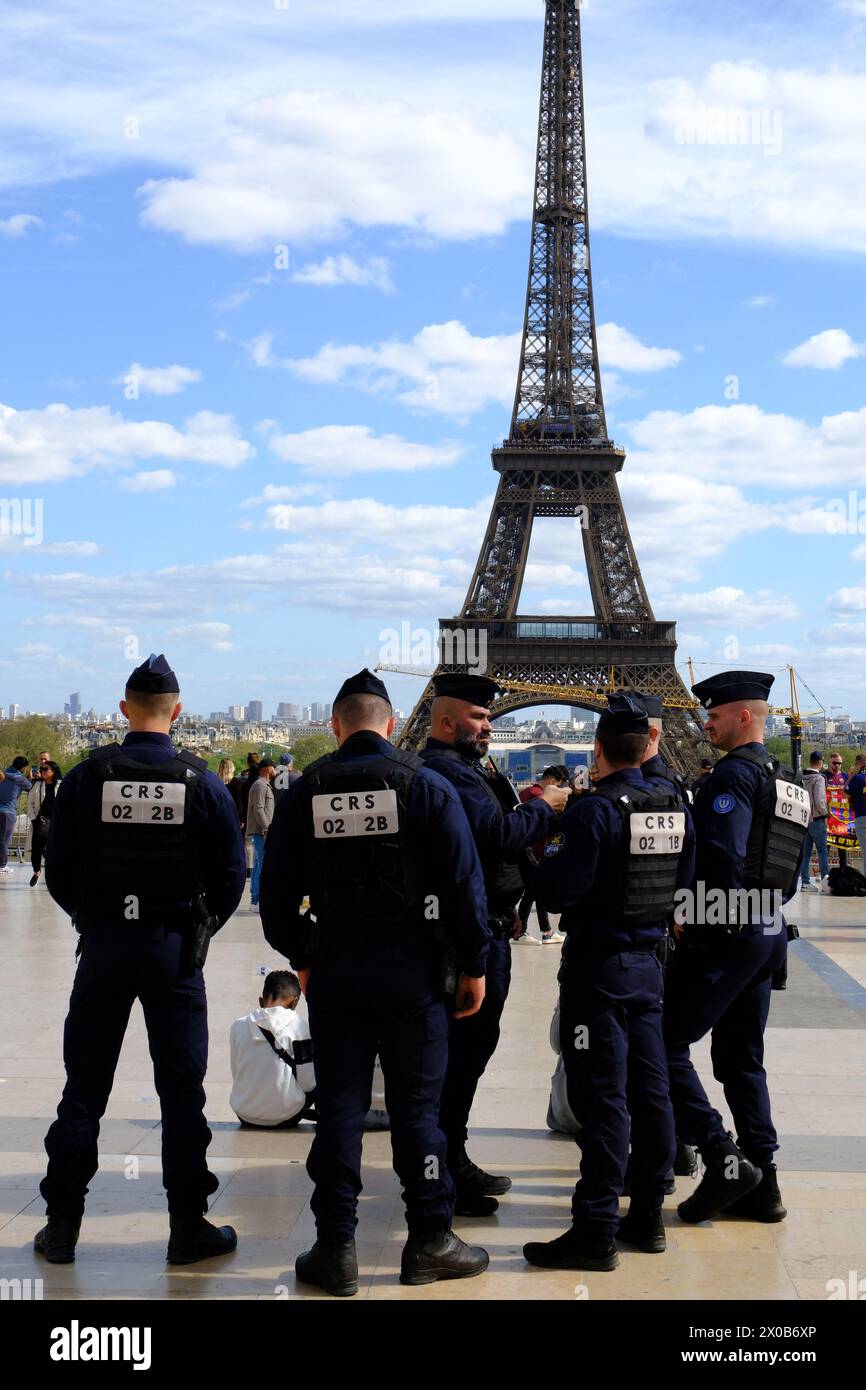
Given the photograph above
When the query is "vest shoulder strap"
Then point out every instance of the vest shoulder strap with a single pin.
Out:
(190, 759)
(103, 754)
(764, 759)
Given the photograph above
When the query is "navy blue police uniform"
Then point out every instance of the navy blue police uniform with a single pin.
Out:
(612, 870)
(721, 975)
(144, 850)
(386, 900)
(503, 829)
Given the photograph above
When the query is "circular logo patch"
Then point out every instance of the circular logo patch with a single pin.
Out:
(553, 846)
(723, 804)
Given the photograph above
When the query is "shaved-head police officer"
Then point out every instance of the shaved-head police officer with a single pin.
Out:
(750, 820)
(381, 846)
(146, 856)
(612, 869)
(503, 830)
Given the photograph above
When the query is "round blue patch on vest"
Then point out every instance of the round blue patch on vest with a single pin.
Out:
(723, 804)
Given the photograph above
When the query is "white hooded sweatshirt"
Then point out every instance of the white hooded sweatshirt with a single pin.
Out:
(265, 1090)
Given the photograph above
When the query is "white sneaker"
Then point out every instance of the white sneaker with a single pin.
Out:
(824, 886)
(7, 869)
(808, 888)
(552, 938)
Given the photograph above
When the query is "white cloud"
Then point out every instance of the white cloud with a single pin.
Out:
(827, 351)
(619, 348)
(57, 441)
(214, 637)
(17, 545)
(415, 530)
(762, 301)
(447, 370)
(727, 604)
(161, 381)
(850, 599)
(156, 481)
(304, 165)
(260, 350)
(17, 225)
(343, 270)
(340, 450)
(274, 493)
(744, 444)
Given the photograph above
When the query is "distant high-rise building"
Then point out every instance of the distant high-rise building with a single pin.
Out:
(74, 706)
(255, 712)
(14, 711)
(320, 713)
(306, 714)
(287, 711)
(237, 712)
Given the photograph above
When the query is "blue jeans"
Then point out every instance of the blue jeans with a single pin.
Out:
(816, 835)
(8, 818)
(258, 858)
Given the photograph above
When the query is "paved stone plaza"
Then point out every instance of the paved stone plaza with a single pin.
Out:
(816, 1059)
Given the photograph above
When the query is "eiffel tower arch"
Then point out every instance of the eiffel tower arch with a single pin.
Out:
(558, 461)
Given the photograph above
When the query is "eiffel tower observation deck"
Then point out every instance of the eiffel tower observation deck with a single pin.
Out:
(558, 461)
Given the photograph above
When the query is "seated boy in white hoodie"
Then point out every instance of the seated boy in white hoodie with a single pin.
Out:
(271, 1057)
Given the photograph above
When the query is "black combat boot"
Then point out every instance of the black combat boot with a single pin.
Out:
(728, 1175)
(332, 1265)
(428, 1258)
(686, 1161)
(467, 1174)
(573, 1250)
(669, 1188)
(57, 1240)
(763, 1203)
(642, 1227)
(192, 1239)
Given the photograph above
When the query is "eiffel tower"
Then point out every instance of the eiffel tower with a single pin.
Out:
(559, 462)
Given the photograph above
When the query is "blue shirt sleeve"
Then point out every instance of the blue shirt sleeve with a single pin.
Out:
(225, 865)
(569, 864)
(724, 822)
(497, 835)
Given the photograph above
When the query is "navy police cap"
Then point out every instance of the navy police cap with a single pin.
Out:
(650, 704)
(154, 677)
(364, 683)
(624, 715)
(462, 685)
(728, 686)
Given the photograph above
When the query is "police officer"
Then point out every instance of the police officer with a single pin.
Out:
(612, 870)
(382, 847)
(749, 836)
(503, 830)
(656, 771)
(146, 856)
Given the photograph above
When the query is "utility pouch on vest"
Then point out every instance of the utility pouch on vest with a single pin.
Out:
(366, 868)
(139, 862)
(780, 819)
(655, 826)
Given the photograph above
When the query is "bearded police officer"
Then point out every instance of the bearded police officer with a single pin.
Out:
(382, 847)
(612, 870)
(503, 829)
(146, 856)
(750, 820)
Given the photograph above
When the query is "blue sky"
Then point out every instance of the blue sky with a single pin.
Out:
(304, 237)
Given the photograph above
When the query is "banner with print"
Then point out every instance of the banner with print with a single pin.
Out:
(841, 831)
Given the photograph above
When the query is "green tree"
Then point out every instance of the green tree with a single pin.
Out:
(28, 738)
(310, 747)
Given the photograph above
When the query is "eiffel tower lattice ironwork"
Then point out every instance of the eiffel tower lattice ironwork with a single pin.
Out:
(559, 462)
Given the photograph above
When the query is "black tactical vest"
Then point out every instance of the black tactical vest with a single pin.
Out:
(366, 866)
(780, 819)
(655, 826)
(141, 863)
